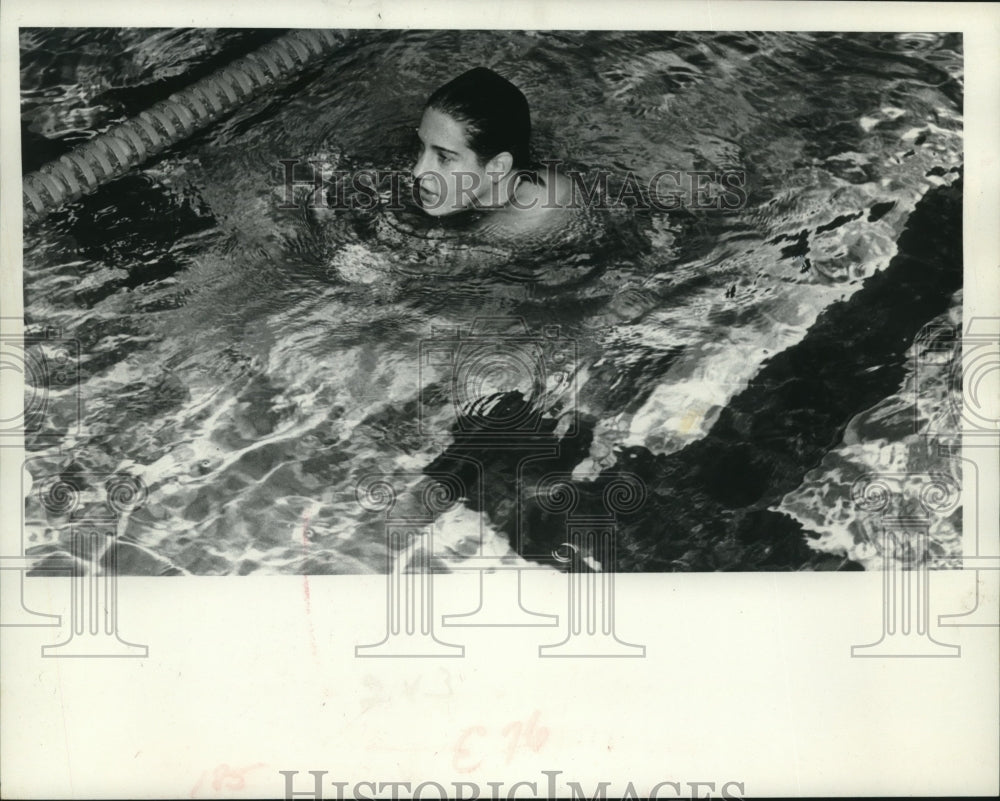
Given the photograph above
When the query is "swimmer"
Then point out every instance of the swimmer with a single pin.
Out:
(474, 156)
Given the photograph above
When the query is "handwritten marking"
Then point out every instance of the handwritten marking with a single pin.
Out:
(306, 517)
(225, 777)
(462, 752)
(528, 734)
(409, 688)
(532, 735)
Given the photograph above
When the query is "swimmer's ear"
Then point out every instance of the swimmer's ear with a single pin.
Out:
(500, 165)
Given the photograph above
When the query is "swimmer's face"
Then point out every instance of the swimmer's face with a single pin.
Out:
(448, 173)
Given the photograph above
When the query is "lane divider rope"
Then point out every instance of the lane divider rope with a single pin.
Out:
(126, 145)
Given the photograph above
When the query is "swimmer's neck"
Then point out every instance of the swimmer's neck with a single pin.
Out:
(533, 207)
(504, 193)
(526, 191)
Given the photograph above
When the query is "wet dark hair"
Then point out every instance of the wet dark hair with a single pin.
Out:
(494, 111)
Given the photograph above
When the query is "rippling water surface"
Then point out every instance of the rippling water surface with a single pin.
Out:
(252, 363)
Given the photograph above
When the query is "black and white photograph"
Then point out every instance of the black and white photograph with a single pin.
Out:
(502, 330)
(701, 259)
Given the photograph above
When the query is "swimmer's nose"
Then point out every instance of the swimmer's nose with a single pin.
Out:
(419, 168)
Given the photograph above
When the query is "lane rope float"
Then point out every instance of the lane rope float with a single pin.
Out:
(126, 145)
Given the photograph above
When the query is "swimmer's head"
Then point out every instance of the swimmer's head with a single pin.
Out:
(494, 112)
(474, 136)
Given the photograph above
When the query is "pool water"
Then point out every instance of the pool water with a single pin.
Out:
(252, 363)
